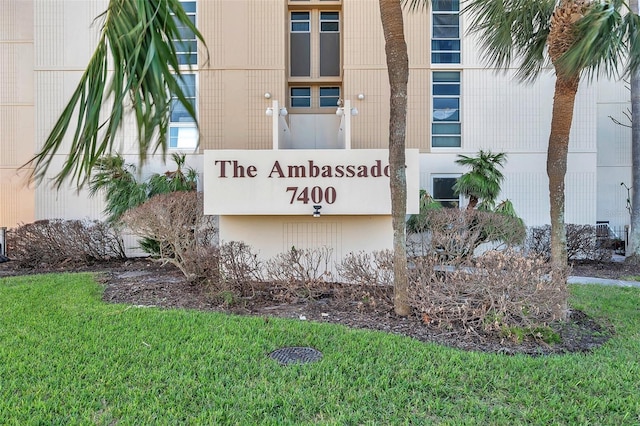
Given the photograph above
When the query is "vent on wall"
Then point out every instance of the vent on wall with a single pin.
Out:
(314, 235)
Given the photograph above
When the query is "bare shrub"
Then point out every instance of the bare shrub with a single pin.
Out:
(367, 268)
(455, 234)
(500, 289)
(184, 234)
(367, 278)
(63, 242)
(300, 272)
(202, 263)
(538, 241)
(240, 266)
(582, 243)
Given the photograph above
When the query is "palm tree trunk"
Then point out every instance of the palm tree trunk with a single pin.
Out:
(473, 202)
(398, 70)
(562, 116)
(634, 238)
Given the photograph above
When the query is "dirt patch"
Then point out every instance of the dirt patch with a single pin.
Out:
(144, 282)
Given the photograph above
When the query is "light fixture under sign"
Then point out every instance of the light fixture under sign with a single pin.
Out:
(316, 211)
(283, 111)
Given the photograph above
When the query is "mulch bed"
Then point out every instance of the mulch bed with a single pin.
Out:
(147, 283)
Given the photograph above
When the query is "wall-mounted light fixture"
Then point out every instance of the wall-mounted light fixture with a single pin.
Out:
(361, 96)
(267, 95)
(282, 111)
(340, 111)
(316, 211)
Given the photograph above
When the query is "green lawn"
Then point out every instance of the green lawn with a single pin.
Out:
(68, 358)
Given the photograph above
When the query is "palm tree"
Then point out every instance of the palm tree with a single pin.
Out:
(136, 40)
(483, 181)
(398, 70)
(116, 179)
(121, 190)
(579, 37)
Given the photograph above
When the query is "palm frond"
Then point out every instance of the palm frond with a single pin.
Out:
(484, 179)
(512, 33)
(414, 5)
(136, 40)
(600, 42)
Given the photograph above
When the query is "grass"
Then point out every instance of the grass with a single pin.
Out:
(68, 358)
(630, 278)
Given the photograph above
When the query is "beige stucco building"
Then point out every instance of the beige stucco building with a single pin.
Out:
(311, 56)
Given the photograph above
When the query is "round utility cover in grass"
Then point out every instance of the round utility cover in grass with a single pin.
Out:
(296, 355)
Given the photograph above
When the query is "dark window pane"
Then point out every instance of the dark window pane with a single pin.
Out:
(446, 76)
(329, 16)
(445, 45)
(188, 6)
(445, 58)
(445, 141)
(445, 128)
(300, 54)
(443, 188)
(300, 91)
(446, 89)
(445, 5)
(330, 54)
(329, 91)
(329, 102)
(179, 113)
(300, 102)
(332, 27)
(300, 27)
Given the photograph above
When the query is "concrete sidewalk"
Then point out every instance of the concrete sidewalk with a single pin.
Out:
(602, 281)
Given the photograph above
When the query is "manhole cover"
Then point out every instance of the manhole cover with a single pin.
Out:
(295, 355)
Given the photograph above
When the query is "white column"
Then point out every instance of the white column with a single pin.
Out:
(275, 131)
(347, 124)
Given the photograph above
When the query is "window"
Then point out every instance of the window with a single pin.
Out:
(307, 36)
(315, 66)
(329, 44)
(301, 97)
(300, 44)
(442, 190)
(445, 125)
(186, 45)
(314, 97)
(445, 40)
(183, 133)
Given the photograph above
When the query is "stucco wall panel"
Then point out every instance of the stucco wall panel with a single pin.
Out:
(16, 110)
(17, 128)
(501, 114)
(16, 85)
(363, 39)
(344, 234)
(16, 20)
(370, 128)
(211, 107)
(49, 33)
(16, 198)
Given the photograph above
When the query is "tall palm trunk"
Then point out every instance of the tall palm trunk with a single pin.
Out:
(561, 38)
(562, 115)
(398, 70)
(634, 238)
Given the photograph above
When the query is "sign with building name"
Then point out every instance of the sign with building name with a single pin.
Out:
(296, 182)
